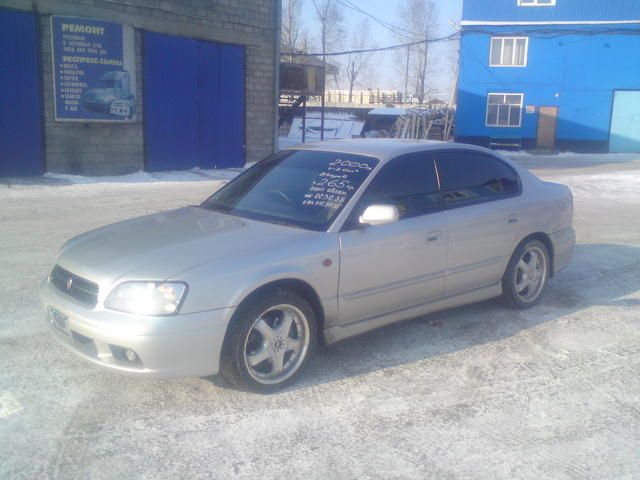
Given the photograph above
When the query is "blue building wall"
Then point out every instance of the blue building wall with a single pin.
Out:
(576, 68)
(563, 11)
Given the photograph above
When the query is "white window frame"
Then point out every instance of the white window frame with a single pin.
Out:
(515, 39)
(534, 3)
(486, 118)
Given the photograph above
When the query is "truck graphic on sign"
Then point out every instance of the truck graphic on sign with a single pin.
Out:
(112, 96)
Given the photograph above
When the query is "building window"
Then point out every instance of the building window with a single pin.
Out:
(504, 109)
(509, 51)
(536, 3)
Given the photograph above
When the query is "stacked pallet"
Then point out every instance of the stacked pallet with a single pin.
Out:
(424, 124)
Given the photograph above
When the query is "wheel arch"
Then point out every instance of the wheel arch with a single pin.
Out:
(302, 288)
(546, 240)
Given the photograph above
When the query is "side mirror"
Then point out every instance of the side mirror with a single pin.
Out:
(380, 215)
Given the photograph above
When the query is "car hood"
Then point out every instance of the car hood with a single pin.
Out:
(162, 245)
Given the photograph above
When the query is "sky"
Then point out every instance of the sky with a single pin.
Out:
(386, 71)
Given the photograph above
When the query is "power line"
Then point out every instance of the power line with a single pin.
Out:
(537, 33)
(396, 29)
(448, 38)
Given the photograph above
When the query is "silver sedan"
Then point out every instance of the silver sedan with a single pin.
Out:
(317, 243)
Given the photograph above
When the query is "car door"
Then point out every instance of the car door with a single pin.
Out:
(388, 268)
(480, 197)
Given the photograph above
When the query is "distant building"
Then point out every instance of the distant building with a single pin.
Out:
(549, 74)
(108, 87)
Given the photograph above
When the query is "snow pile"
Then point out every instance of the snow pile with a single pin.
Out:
(194, 175)
(571, 157)
(140, 177)
(287, 142)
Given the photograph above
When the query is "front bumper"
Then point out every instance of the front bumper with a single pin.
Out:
(186, 345)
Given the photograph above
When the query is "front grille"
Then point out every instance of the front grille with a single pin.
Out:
(82, 290)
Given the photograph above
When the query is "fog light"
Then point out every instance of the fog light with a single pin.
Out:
(130, 355)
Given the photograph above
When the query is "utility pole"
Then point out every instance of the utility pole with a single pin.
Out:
(324, 77)
(406, 76)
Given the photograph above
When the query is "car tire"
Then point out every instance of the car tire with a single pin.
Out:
(527, 274)
(269, 341)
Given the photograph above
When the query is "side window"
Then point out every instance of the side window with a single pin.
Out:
(474, 177)
(408, 182)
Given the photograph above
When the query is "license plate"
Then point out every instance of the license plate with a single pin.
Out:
(59, 321)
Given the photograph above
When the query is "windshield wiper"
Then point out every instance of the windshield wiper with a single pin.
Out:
(216, 208)
(283, 223)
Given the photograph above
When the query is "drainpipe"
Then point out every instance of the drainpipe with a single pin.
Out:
(277, 11)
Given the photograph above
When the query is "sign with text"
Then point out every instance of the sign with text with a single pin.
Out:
(337, 183)
(94, 75)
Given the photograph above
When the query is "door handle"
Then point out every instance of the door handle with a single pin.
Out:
(513, 220)
(433, 237)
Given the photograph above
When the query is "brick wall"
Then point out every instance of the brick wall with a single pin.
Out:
(99, 148)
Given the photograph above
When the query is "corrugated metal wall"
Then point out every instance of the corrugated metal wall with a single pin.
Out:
(576, 73)
(21, 149)
(564, 10)
(194, 103)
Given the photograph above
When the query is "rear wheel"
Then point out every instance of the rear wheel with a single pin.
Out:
(269, 341)
(526, 276)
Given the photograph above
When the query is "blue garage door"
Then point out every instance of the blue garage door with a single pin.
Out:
(21, 152)
(625, 123)
(194, 103)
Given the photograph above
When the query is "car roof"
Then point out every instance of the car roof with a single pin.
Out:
(383, 148)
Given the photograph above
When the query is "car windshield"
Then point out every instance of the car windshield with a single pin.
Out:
(300, 188)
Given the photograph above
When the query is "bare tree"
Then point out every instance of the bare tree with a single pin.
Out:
(358, 64)
(329, 15)
(449, 69)
(292, 34)
(419, 18)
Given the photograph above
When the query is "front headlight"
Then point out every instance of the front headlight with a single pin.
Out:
(147, 298)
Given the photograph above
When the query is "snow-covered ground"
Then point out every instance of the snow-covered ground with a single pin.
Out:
(477, 392)
(57, 179)
(195, 175)
(286, 142)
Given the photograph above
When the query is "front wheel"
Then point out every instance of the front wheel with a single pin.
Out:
(269, 341)
(526, 276)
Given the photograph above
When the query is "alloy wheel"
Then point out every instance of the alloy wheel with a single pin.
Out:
(277, 344)
(531, 274)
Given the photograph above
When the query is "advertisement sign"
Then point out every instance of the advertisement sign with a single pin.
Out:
(94, 75)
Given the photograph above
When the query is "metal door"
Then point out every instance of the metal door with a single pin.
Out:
(547, 122)
(170, 114)
(194, 101)
(230, 134)
(625, 122)
(21, 145)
